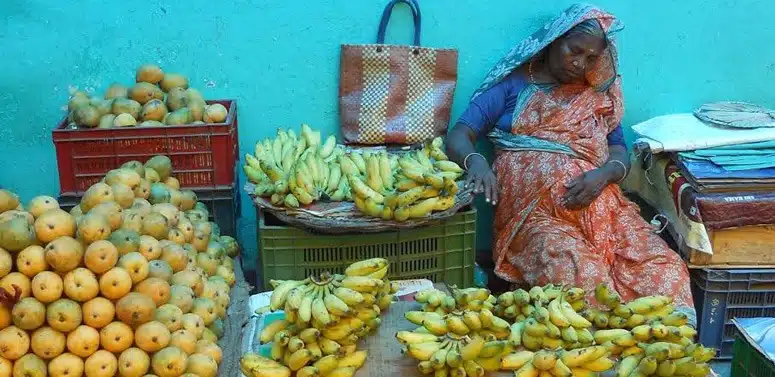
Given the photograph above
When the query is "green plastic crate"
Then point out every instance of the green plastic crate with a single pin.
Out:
(747, 360)
(441, 252)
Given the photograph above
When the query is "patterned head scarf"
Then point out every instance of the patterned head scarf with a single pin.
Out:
(600, 76)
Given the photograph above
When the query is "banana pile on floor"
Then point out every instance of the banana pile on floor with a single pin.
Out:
(548, 331)
(325, 317)
(293, 170)
(415, 185)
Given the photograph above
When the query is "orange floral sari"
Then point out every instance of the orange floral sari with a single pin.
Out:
(537, 239)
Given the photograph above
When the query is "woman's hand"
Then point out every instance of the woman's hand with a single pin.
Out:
(482, 179)
(585, 188)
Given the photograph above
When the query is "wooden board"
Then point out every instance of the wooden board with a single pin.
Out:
(744, 247)
(385, 358)
(236, 317)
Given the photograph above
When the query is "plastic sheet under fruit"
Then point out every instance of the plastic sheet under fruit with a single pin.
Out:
(761, 332)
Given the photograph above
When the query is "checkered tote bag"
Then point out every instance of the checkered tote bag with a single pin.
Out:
(395, 94)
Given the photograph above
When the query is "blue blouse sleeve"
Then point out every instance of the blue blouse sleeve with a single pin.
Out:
(483, 112)
(616, 137)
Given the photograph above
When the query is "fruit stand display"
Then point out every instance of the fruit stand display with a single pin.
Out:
(332, 189)
(543, 332)
(133, 280)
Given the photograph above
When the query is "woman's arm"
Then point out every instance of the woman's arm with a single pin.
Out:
(588, 186)
(461, 142)
(618, 164)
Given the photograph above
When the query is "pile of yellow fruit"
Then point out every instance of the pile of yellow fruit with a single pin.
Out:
(325, 317)
(132, 281)
(156, 99)
(551, 334)
(296, 170)
(413, 190)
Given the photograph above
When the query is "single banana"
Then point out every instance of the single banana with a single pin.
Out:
(473, 369)
(299, 359)
(574, 318)
(580, 356)
(544, 360)
(556, 314)
(423, 351)
(472, 348)
(456, 325)
(365, 267)
(514, 361)
(354, 360)
(270, 330)
(279, 294)
(330, 346)
(492, 349)
(334, 304)
(349, 296)
(644, 305)
(602, 336)
(448, 166)
(599, 365)
(527, 370)
(627, 366)
(561, 370)
(410, 337)
(364, 191)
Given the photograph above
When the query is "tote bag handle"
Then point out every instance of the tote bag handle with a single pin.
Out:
(386, 17)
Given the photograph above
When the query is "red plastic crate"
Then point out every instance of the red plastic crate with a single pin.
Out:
(203, 155)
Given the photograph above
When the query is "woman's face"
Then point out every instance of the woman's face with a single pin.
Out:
(571, 56)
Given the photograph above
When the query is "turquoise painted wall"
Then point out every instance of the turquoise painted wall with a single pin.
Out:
(279, 59)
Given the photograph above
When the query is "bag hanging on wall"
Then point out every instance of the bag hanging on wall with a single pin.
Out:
(395, 94)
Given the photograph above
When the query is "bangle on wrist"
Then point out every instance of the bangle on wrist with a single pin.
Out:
(623, 166)
(465, 160)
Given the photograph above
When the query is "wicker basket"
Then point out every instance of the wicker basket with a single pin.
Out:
(343, 217)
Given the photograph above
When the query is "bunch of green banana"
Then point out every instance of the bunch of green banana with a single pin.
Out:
(581, 362)
(520, 304)
(468, 299)
(293, 170)
(452, 355)
(481, 323)
(651, 310)
(552, 325)
(666, 359)
(409, 187)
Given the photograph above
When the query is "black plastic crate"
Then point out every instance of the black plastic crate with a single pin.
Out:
(223, 204)
(721, 295)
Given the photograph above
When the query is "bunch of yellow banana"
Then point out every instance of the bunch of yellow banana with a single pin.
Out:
(300, 362)
(666, 359)
(294, 170)
(362, 292)
(644, 310)
(412, 186)
(520, 304)
(579, 362)
(468, 299)
(453, 355)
